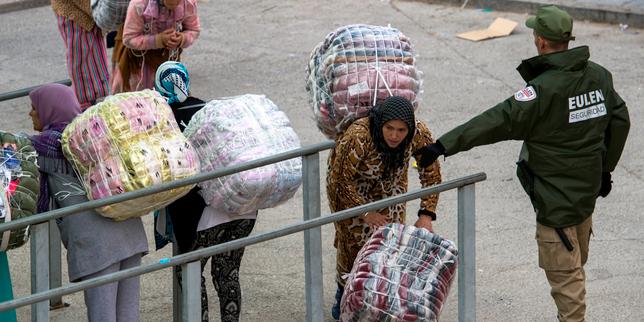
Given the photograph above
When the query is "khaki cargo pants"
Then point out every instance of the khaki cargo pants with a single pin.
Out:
(565, 269)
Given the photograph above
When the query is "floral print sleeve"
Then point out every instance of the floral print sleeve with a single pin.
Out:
(344, 163)
(430, 175)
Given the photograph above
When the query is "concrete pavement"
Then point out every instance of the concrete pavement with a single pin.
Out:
(248, 46)
(626, 12)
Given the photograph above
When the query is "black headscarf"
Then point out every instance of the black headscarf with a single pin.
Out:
(392, 108)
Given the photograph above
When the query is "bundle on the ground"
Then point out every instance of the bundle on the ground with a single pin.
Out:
(128, 142)
(234, 130)
(19, 186)
(353, 68)
(109, 14)
(402, 273)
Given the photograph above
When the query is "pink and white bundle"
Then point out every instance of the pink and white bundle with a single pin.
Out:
(128, 142)
(402, 273)
(353, 68)
(234, 130)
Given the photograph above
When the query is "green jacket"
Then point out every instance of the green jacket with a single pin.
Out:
(573, 125)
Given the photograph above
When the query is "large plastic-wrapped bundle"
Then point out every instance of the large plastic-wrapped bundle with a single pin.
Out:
(128, 142)
(402, 273)
(233, 130)
(353, 68)
(109, 14)
(19, 186)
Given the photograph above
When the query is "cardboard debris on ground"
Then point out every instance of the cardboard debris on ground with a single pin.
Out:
(501, 27)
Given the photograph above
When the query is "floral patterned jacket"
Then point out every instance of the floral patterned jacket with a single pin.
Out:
(354, 178)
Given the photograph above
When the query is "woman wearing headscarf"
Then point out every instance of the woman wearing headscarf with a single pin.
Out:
(195, 224)
(172, 81)
(370, 162)
(95, 245)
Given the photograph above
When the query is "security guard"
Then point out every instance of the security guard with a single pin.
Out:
(574, 126)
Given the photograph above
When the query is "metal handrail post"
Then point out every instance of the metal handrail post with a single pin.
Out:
(40, 270)
(313, 285)
(55, 265)
(176, 289)
(467, 254)
(191, 292)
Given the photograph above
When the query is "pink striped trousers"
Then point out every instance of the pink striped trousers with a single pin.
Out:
(87, 63)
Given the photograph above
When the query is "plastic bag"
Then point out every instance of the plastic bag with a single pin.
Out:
(402, 273)
(128, 142)
(19, 186)
(355, 67)
(233, 130)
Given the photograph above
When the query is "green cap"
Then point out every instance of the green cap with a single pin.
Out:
(551, 23)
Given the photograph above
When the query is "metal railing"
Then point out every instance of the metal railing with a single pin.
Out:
(313, 264)
(25, 91)
(189, 308)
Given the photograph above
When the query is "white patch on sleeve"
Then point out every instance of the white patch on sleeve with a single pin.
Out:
(526, 94)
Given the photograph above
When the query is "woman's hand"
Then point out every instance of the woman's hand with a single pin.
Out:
(176, 40)
(169, 38)
(375, 219)
(424, 222)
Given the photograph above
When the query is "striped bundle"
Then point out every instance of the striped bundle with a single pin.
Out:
(234, 130)
(128, 142)
(353, 68)
(402, 273)
(19, 186)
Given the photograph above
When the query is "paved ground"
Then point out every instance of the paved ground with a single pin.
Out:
(262, 47)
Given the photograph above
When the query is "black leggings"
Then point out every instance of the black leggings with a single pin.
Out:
(224, 267)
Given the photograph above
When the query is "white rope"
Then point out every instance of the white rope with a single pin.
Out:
(6, 235)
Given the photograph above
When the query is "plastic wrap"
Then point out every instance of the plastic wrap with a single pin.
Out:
(233, 130)
(402, 273)
(128, 142)
(353, 68)
(109, 14)
(19, 186)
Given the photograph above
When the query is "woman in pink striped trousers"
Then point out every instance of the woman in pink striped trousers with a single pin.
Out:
(87, 63)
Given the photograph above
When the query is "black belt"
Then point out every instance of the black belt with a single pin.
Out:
(564, 239)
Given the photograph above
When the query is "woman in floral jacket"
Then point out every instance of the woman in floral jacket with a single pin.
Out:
(369, 163)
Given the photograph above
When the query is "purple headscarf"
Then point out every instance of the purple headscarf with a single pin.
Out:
(56, 106)
(55, 103)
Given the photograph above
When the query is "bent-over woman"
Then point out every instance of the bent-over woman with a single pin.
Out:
(370, 162)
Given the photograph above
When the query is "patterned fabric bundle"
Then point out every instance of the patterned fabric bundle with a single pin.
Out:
(109, 14)
(353, 68)
(19, 186)
(234, 130)
(128, 142)
(402, 273)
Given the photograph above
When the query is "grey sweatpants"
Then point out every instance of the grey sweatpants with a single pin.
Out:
(117, 301)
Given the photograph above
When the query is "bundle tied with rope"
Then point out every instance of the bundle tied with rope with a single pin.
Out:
(109, 14)
(19, 186)
(355, 67)
(128, 142)
(232, 130)
(402, 273)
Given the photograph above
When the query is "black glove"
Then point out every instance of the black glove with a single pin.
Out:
(607, 184)
(429, 154)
